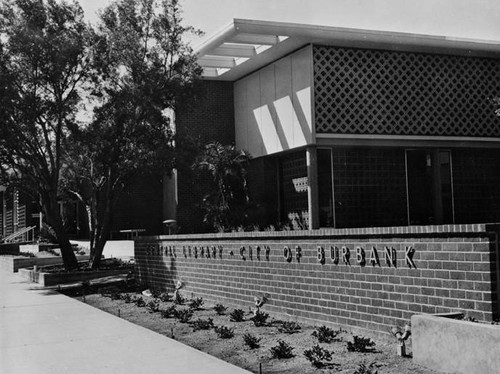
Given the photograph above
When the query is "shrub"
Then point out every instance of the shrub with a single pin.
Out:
(325, 334)
(127, 298)
(237, 315)
(251, 340)
(202, 324)
(184, 315)
(363, 369)
(196, 304)
(260, 318)
(26, 254)
(153, 306)
(178, 298)
(170, 312)
(224, 332)
(318, 355)
(360, 344)
(164, 297)
(282, 350)
(139, 301)
(289, 327)
(220, 309)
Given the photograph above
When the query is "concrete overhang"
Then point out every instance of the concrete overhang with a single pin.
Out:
(247, 45)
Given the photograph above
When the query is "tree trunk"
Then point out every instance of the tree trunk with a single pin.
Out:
(101, 227)
(55, 222)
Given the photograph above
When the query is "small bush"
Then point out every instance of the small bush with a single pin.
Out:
(170, 312)
(26, 254)
(289, 327)
(178, 298)
(237, 315)
(196, 304)
(318, 355)
(164, 297)
(184, 315)
(139, 301)
(325, 334)
(220, 309)
(251, 340)
(260, 318)
(360, 344)
(202, 324)
(127, 298)
(153, 306)
(282, 350)
(224, 332)
(363, 369)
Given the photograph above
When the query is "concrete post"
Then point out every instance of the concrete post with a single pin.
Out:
(312, 187)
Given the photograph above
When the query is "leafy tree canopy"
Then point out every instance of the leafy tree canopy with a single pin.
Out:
(44, 64)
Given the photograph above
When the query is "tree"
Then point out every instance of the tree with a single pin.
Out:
(145, 68)
(44, 65)
(226, 205)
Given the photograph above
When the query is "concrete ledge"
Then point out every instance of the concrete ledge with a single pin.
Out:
(52, 279)
(37, 247)
(398, 231)
(449, 345)
(123, 249)
(14, 263)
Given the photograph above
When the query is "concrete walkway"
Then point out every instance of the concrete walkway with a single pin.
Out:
(42, 331)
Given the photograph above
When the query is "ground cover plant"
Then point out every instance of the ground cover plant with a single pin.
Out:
(237, 315)
(236, 339)
(360, 344)
(325, 334)
(282, 350)
(317, 356)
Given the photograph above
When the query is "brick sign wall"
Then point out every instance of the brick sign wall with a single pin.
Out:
(368, 278)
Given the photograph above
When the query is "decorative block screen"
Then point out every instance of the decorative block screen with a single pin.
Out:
(398, 93)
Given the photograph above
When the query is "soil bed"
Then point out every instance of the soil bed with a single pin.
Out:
(382, 360)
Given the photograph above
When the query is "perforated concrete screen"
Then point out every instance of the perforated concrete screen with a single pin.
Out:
(359, 91)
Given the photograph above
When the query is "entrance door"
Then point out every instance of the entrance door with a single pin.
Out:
(430, 190)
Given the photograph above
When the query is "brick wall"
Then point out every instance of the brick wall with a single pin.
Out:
(452, 268)
(141, 206)
(205, 118)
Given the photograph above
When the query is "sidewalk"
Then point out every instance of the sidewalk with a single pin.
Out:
(45, 332)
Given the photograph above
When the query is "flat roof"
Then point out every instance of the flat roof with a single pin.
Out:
(248, 45)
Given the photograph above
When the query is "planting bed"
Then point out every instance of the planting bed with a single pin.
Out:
(383, 358)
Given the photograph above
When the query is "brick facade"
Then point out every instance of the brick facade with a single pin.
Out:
(207, 117)
(141, 206)
(452, 268)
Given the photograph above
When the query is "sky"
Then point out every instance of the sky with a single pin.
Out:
(464, 19)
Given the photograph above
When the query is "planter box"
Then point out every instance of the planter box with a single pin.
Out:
(456, 346)
(51, 279)
(14, 263)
